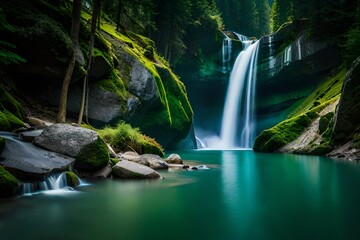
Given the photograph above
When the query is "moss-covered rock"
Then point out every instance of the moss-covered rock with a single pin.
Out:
(325, 121)
(93, 156)
(8, 183)
(10, 103)
(11, 111)
(72, 179)
(272, 139)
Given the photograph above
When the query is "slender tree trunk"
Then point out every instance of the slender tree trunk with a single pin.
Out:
(94, 18)
(118, 16)
(74, 34)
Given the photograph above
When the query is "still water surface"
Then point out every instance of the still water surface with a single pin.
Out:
(244, 195)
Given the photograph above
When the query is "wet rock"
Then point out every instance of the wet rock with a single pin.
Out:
(130, 170)
(29, 136)
(30, 163)
(174, 159)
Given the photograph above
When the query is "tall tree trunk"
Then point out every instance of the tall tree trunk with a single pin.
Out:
(74, 34)
(118, 16)
(94, 18)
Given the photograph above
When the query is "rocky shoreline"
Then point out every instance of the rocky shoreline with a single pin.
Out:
(44, 149)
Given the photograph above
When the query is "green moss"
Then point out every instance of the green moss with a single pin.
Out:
(93, 156)
(113, 83)
(285, 132)
(321, 149)
(325, 121)
(113, 161)
(11, 104)
(8, 121)
(328, 90)
(8, 183)
(124, 138)
(72, 179)
(276, 137)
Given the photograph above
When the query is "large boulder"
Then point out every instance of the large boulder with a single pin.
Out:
(151, 160)
(85, 145)
(347, 119)
(8, 183)
(105, 107)
(142, 83)
(174, 159)
(30, 163)
(131, 170)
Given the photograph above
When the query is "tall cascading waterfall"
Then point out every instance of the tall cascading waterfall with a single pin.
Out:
(239, 110)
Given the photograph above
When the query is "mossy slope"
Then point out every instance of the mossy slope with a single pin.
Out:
(328, 92)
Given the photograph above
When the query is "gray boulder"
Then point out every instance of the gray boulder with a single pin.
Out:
(86, 146)
(155, 161)
(142, 83)
(134, 157)
(130, 170)
(174, 159)
(30, 163)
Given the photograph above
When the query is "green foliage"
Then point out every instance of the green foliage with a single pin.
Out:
(93, 156)
(278, 136)
(8, 183)
(113, 161)
(10, 103)
(7, 56)
(124, 138)
(352, 41)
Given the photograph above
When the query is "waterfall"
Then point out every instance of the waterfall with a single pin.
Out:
(238, 116)
(287, 57)
(226, 53)
(53, 182)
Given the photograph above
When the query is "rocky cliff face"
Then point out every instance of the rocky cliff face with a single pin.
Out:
(329, 123)
(128, 80)
(291, 65)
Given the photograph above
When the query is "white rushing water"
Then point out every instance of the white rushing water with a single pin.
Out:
(54, 184)
(239, 116)
(226, 53)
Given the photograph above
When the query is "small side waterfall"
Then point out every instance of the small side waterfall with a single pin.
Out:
(226, 54)
(53, 182)
(239, 116)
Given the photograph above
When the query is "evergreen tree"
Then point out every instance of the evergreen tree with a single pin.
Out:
(264, 17)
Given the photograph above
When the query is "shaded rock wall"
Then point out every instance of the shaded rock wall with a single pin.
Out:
(291, 65)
